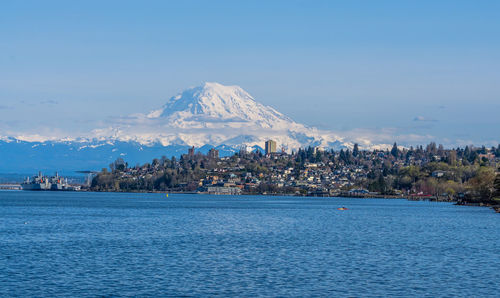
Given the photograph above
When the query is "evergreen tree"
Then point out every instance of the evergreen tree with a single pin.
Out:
(355, 150)
(395, 150)
(466, 152)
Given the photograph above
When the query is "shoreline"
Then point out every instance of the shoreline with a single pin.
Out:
(495, 207)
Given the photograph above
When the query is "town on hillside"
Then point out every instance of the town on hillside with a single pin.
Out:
(461, 174)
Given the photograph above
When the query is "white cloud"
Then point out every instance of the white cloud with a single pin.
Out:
(383, 137)
(423, 119)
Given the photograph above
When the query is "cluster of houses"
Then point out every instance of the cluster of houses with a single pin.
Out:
(280, 172)
(316, 179)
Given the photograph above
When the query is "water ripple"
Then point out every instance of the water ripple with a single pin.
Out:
(88, 244)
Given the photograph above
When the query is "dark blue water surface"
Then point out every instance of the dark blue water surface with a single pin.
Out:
(107, 244)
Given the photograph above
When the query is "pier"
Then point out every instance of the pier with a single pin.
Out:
(10, 186)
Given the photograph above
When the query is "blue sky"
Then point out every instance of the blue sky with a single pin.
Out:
(412, 71)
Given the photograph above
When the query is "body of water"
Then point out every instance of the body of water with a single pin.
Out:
(109, 244)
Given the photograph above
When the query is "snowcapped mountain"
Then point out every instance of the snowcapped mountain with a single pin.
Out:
(217, 115)
(212, 104)
(211, 115)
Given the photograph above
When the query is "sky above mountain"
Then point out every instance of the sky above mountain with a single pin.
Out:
(405, 71)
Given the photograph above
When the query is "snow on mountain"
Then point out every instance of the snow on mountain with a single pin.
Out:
(208, 116)
(216, 114)
(213, 103)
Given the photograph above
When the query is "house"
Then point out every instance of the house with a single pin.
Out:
(438, 174)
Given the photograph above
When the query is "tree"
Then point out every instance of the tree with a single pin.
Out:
(452, 158)
(395, 150)
(355, 150)
(379, 185)
(482, 184)
(496, 185)
(440, 150)
(342, 155)
(120, 164)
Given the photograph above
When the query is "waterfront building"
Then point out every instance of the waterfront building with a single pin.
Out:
(223, 190)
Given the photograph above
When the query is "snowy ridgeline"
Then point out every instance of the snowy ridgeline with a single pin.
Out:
(69, 157)
(211, 115)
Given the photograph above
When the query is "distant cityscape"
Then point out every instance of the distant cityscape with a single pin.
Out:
(445, 174)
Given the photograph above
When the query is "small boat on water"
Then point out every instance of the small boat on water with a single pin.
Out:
(342, 208)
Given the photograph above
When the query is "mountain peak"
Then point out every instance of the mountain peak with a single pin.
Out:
(216, 114)
(218, 86)
(214, 102)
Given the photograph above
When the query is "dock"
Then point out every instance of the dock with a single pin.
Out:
(10, 186)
